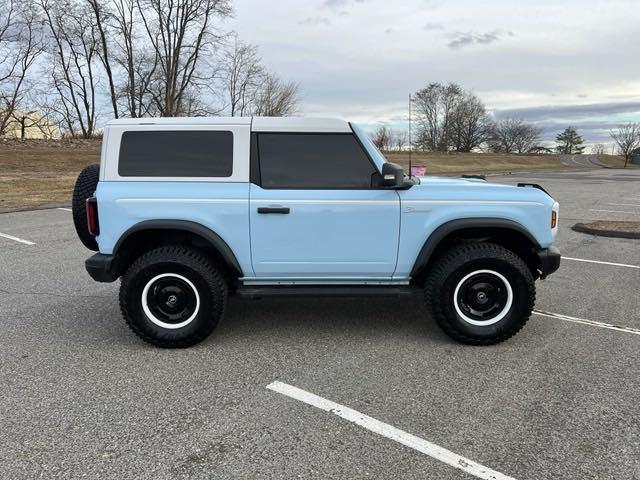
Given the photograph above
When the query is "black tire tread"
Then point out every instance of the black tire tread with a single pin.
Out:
(454, 258)
(193, 259)
(84, 188)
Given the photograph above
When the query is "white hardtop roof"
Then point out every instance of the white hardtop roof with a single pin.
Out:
(258, 124)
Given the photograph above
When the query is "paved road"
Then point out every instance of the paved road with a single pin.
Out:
(583, 160)
(83, 397)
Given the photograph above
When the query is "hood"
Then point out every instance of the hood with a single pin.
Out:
(431, 187)
(455, 181)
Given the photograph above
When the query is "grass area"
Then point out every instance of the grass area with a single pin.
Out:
(42, 173)
(457, 163)
(616, 161)
(615, 226)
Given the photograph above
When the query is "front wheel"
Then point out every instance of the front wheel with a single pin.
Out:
(480, 293)
(173, 297)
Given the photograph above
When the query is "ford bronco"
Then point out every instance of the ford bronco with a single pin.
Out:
(187, 211)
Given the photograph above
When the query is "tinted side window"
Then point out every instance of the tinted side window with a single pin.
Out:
(299, 160)
(176, 154)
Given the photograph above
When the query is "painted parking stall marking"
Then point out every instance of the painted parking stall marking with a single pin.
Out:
(584, 321)
(16, 239)
(65, 209)
(389, 431)
(599, 262)
(611, 211)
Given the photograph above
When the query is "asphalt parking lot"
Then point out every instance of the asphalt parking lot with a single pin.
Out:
(82, 397)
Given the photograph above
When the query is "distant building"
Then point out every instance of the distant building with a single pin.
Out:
(31, 125)
(635, 156)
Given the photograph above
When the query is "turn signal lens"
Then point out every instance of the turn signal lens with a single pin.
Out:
(554, 219)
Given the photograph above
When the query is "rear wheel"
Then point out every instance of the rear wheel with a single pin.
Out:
(480, 293)
(173, 297)
(84, 188)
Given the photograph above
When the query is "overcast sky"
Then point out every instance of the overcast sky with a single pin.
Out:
(553, 62)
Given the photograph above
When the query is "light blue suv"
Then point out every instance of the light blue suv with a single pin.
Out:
(191, 210)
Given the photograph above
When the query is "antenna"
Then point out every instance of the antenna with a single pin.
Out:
(410, 143)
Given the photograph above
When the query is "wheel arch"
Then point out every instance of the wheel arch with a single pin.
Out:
(155, 233)
(508, 233)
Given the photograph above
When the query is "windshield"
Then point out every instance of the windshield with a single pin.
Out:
(369, 146)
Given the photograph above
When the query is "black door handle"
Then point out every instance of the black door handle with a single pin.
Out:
(280, 210)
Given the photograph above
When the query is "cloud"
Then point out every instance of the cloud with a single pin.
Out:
(464, 39)
(339, 3)
(549, 112)
(545, 64)
(433, 26)
(315, 21)
(594, 121)
(334, 3)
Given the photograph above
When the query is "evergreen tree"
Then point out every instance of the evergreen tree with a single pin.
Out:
(569, 142)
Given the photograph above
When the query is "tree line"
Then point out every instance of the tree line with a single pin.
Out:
(75, 61)
(447, 118)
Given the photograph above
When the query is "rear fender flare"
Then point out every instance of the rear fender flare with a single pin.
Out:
(186, 226)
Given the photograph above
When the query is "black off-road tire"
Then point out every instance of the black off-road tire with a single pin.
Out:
(175, 262)
(84, 188)
(449, 271)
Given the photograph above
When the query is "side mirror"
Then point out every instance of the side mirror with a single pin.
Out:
(392, 175)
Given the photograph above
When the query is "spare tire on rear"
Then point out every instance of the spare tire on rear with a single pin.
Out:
(85, 187)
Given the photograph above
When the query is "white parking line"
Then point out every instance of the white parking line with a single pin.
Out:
(389, 431)
(601, 263)
(584, 321)
(610, 211)
(16, 239)
(65, 209)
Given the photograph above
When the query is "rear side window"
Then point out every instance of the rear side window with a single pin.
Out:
(184, 153)
(320, 161)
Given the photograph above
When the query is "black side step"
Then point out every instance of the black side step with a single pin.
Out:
(326, 291)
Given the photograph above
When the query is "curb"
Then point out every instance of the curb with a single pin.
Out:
(49, 206)
(582, 228)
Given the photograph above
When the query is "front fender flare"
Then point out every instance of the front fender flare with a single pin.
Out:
(452, 226)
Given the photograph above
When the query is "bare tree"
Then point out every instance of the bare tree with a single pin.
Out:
(242, 76)
(134, 56)
(146, 57)
(381, 138)
(627, 138)
(74, 48)
(276, 98)
(20, 46)
(180, 32)
(101, 14)
(598, 149)
(513, 135)
(434, 107)
(399, 139)
(470, 124)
